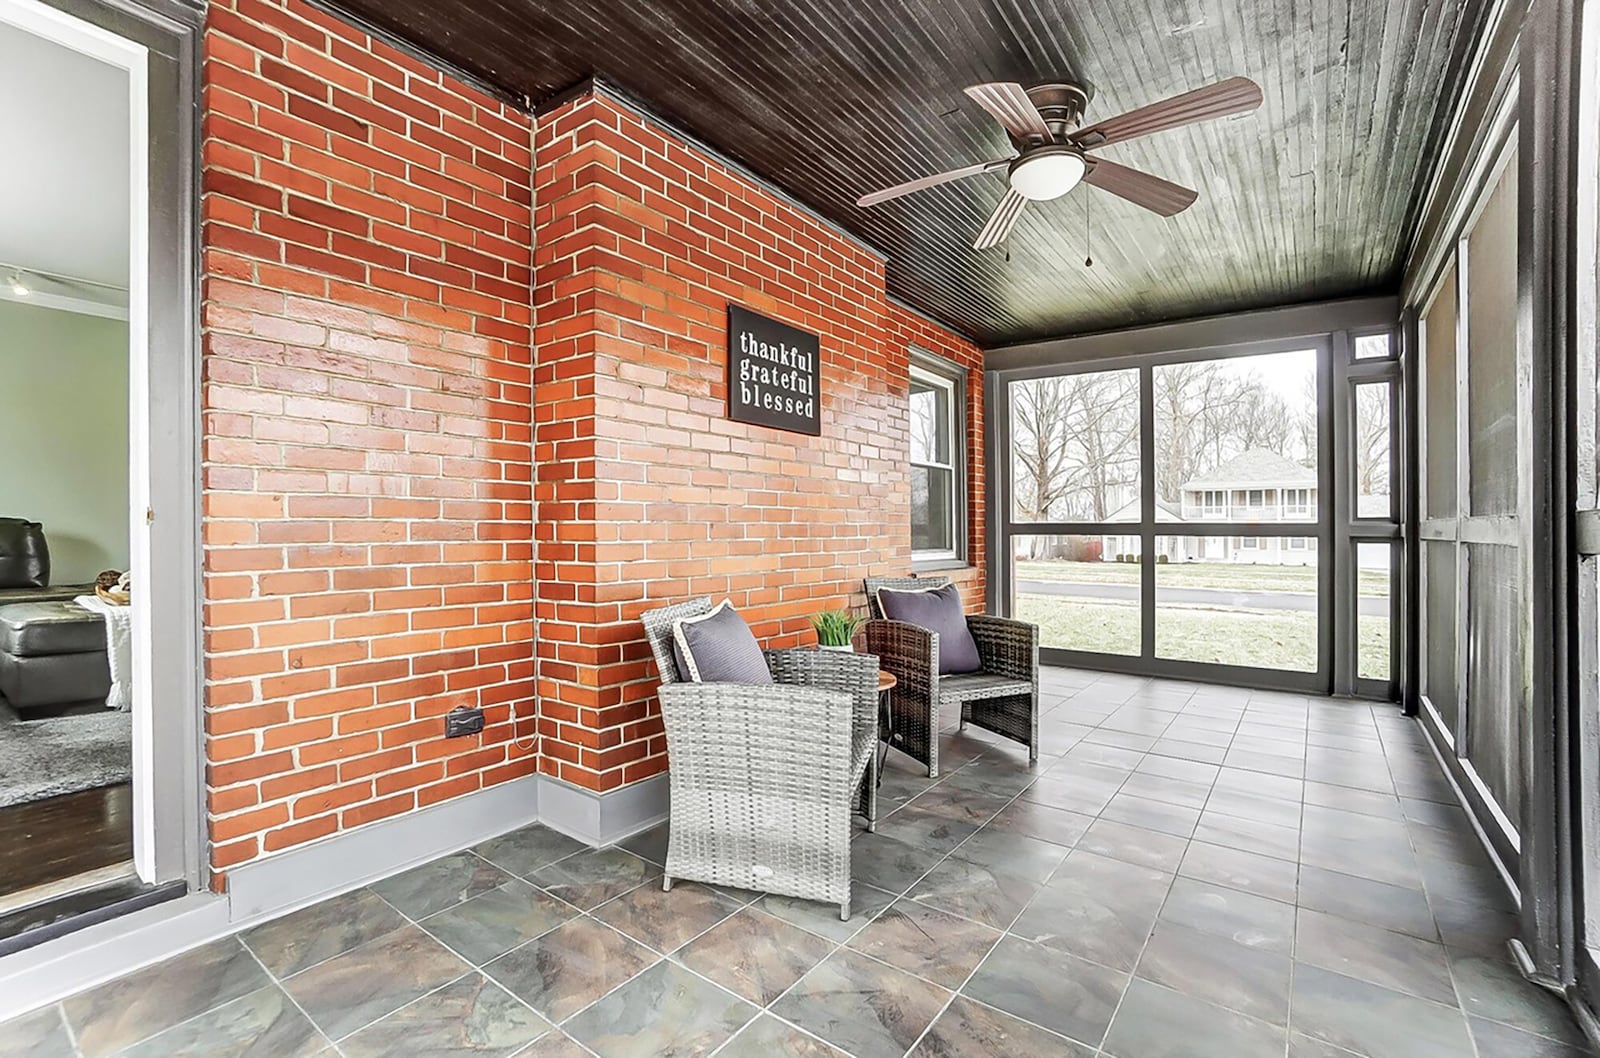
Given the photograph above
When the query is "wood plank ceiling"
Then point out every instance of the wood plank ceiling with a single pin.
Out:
(1310, 197)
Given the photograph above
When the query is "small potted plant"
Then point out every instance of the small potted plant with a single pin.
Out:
(835, 629)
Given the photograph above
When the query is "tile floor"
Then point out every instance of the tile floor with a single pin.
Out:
(1189, 872)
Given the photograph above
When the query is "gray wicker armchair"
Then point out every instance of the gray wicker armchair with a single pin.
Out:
(764, 779)
(1003, 697)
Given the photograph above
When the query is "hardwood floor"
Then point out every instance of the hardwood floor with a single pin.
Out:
(60, 837)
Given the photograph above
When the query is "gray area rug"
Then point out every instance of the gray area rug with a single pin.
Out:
(64, 754)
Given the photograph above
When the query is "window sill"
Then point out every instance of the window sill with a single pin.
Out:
(940, 565)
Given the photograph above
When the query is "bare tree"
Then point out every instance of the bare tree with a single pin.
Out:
(1075, 444)
(1371, 440)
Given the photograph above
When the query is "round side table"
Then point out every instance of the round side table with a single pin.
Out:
(886, 683)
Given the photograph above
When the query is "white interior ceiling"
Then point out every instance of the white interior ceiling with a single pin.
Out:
(64, 176)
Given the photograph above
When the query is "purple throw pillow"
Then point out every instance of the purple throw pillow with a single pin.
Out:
(938, 610)
(718, 647)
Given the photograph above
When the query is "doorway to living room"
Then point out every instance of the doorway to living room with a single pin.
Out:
(98, 757)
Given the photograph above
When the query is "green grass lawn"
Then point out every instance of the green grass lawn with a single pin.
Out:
(1272, 639)
(1229, 576)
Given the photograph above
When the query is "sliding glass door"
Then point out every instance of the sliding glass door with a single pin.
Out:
(1175, 513)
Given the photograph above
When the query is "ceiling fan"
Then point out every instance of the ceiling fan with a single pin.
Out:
(1052, 150)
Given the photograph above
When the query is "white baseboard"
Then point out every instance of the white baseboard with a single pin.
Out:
(602, 818)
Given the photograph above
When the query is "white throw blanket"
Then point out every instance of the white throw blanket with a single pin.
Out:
(119, 648)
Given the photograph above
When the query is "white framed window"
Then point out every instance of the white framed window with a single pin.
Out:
(938, 444)
(1297, 503)
(1214, 503)
(1249, 543)
(1298, 543)
(1257, 498)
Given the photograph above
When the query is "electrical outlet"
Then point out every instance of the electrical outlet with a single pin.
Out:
(463, 721)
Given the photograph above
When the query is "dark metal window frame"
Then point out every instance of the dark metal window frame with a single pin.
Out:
(1351, 529)
(960, 499)
(1333, 340)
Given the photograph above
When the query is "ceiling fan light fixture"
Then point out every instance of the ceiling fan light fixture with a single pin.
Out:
(1047, 173)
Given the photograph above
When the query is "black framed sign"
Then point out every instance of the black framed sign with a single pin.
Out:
(773, 373)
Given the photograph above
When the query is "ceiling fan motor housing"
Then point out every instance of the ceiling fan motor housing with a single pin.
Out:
(1061, 104)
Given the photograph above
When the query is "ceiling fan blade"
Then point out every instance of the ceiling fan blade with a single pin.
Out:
(1140, 188)
(1233, 96)
(1000, 221)
(1012, 108)
(924, 182)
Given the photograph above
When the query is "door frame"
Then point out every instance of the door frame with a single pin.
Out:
(156, 43)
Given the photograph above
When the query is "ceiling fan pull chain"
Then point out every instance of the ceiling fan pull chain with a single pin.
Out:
(1088, 257)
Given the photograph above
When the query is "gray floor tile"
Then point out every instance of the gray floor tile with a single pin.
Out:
(554, 1044)
(1502, 1041)
(570, 967)
(1000, 777)
(350, 991)
(299, 941)
(1055, 825)
(1379, 903)
(889, 863)
(1372, 1021)
(1303, 1046)
(263, 1024)
(1473, 927)
(1166, 789)
(664, 1012)
(1263, 839)
(1378, 856)
(922, 940)
(1254, 921)
(1060, 992)
(1374, 954)
(1156, 1022)
(1491, 987)
(1463, 883)
(1248, 872)
(962, 806)
(1351, 799)
(494, 922)
(650, 844)
(1161, 816)
(1387, 857)
(1016, 854)
(590, 878)
(133, 1008)
(41, 1034)
(1130, 844)
(862, 1006)
(526, 850)
(969, 1028)
(1218, 971)
(823, 919)
(755, 955)
(1096, 908)
(469, 1018)
(1257, 808)
(666, 921)
(986, 894)
(440, 883)
(767, 1037)
(926, 830)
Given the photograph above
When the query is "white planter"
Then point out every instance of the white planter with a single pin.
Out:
(846, 649)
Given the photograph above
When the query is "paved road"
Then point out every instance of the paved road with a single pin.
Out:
(1255, 600)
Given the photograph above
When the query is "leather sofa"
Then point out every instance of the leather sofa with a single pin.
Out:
(52, 651)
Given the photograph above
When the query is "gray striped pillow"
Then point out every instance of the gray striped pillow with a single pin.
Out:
(718, 647)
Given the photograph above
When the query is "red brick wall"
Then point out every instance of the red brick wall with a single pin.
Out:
(646, 493)
(367, 429)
